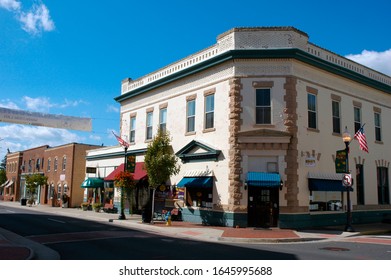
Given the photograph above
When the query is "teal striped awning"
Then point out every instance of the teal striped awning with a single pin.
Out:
(201, 182)
(93, 183)
(263, 179)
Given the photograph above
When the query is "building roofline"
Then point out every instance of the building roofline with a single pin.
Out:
(297, 54)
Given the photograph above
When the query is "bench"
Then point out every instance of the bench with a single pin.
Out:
(109, 208)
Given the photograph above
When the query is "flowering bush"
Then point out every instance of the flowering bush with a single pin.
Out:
(124, 179)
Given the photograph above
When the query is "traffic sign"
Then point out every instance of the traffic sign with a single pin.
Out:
(347, 180)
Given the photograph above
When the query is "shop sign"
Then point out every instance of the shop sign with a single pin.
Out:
(310, 162)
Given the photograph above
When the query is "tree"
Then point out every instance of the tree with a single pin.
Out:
(3, 176)
(160, 161)
(3, 163)
(125, 181)
(33, 181)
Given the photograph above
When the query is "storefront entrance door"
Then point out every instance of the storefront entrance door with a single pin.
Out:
(262, 207)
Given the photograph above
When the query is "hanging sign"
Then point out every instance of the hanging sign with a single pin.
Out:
(340, 161)
(131, 164)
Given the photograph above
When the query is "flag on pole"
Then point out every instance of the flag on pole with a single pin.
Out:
(362, 139)
(121, 141)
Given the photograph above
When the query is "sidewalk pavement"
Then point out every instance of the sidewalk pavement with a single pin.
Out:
(15, 247)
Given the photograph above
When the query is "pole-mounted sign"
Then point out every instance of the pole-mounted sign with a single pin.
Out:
(347, 180)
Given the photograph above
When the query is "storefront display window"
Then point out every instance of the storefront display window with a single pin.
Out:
(199, 197)
(325, 201)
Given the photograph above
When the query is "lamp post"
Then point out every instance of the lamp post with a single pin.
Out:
(346, 137)
(122, 213)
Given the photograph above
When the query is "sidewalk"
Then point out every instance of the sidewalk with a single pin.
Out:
(14, 247)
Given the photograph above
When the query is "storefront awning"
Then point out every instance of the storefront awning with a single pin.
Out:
(92, 183)
(263, 179)
(200, 182)
(9, 184)
(139, 172)
(326, 185)
(4, 184)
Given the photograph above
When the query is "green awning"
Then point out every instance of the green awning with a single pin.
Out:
(92, 183)
(201, 182)
(262, 179)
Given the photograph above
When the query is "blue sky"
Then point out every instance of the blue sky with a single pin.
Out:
(69, 57)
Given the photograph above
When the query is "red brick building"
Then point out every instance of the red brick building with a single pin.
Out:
(11, 188)
(65, 168)
(32, 163)
(63, 165)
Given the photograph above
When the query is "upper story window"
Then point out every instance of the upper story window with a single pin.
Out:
(163, 119)
(55, 164)
(49, 164)
(148, 127)
(209, 111)
(262, 106)
(38, 164)
(64, 162)
(357, 118)
(133, 129)
(336, 116)
(190, 116)
(378, 136)
(312, 110)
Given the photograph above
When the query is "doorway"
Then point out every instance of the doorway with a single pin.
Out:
(262, 207)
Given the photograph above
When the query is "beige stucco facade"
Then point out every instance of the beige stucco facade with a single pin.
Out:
(284, 62)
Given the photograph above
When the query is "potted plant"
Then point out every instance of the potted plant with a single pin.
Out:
(97, 206)
(64, 199)
(31, 201)
(84, 206)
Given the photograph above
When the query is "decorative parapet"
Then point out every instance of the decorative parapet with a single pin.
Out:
(258, 38)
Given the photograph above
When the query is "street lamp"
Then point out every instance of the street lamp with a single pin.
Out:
(346, 137)
(122, 214)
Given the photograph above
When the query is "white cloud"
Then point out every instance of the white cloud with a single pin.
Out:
(379, 61)
(21, 137)
(37, 20)
(10, 5)
(43, 104)
(34, 21)
(112, 108)
(39, 104)
(6, 103)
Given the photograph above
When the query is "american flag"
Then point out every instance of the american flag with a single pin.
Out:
(122, 142)
(362, 139)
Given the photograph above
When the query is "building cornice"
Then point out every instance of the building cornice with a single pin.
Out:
(231, 55)
(116, 154)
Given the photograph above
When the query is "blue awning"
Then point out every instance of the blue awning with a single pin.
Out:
(262, 179)
(92, 183)
(201, 182)
(326, 185)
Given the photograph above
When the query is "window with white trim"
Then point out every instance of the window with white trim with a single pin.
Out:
(132, 138)
(209, 111)
(262, 106)
(149, 126)
(190, 118)
(312, 110)
(163, 119)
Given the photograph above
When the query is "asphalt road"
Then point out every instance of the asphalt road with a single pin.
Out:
(76, 239)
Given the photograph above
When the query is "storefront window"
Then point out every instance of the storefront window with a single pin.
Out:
(325, 201)
(199, 197)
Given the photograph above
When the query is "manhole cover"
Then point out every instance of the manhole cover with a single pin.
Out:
(334, 249)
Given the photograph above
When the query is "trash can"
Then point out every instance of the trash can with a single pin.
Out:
(23, 201)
